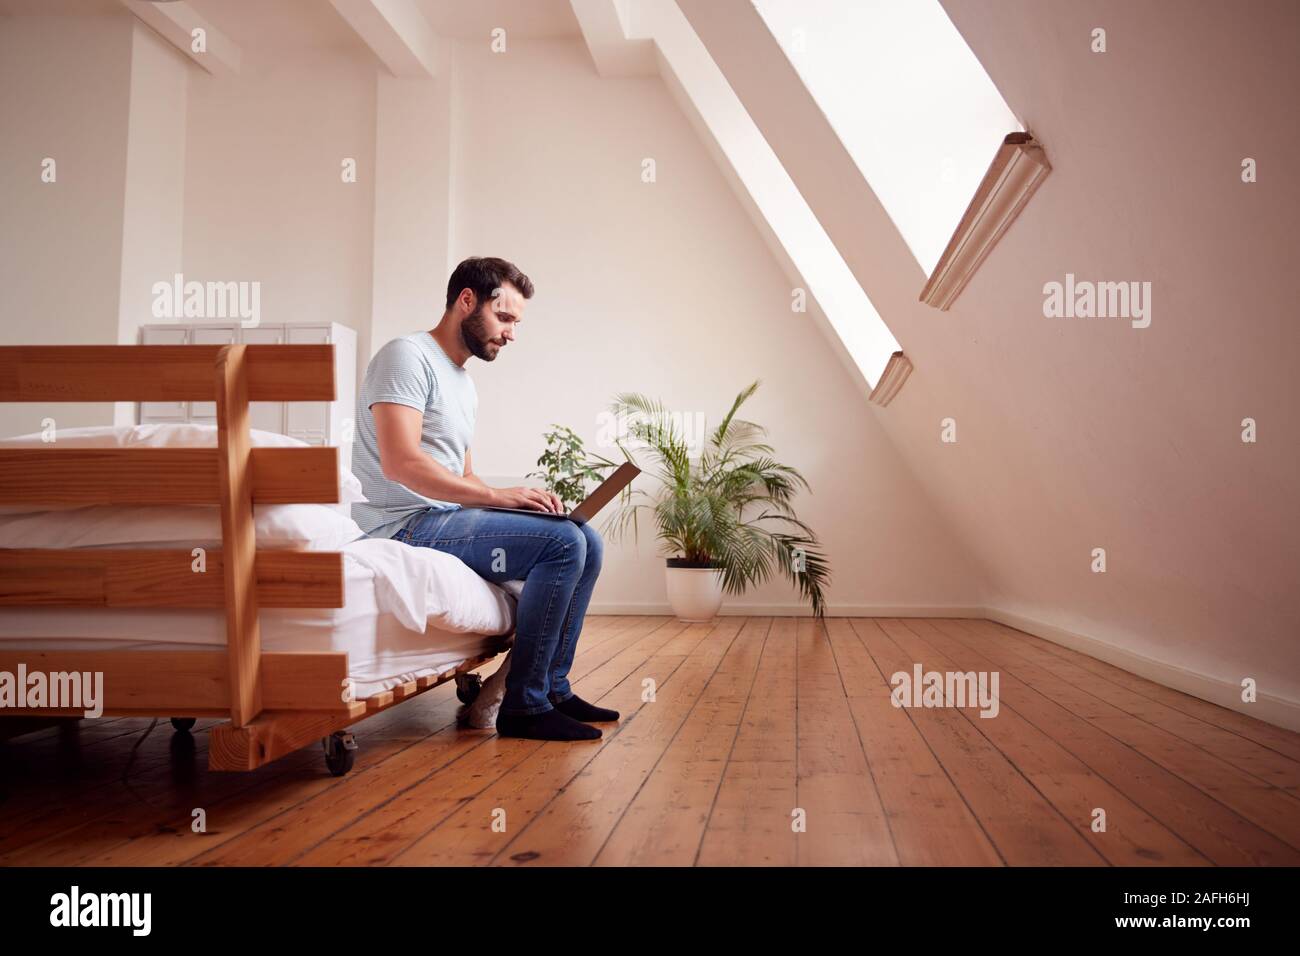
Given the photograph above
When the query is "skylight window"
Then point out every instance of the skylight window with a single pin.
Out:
(907, 98)
(854, 320)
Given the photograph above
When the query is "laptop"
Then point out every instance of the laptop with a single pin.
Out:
(602, 496)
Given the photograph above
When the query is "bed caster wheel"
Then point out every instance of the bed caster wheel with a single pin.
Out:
(183, 725)
(340, 752)
(468, 687)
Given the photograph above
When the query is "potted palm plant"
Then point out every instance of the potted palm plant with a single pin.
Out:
(725, 517)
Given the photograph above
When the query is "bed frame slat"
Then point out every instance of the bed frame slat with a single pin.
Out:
(275, 733)
(153, 681)
(53, 577)
(124, 476)
(238, 535)
(295, 475)
(160, 476)
(160, 373)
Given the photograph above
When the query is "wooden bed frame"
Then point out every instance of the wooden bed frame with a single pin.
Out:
(276, 702)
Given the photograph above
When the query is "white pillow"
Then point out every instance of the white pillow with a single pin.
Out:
(183, 435)
(309, 527)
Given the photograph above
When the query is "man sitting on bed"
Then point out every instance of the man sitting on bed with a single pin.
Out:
(415, 423)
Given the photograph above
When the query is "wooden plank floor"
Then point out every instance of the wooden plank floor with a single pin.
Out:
(745, 741)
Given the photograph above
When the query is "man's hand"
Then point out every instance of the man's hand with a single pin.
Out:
(533, 499)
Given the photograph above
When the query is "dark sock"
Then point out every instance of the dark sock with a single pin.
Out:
(579, 709)
(549, 725)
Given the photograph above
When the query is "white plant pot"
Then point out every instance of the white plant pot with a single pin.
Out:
(695, 593)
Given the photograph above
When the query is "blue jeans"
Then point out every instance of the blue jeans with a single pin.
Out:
(557, 560)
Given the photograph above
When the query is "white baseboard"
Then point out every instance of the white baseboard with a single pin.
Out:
(797, 610)
(1270, 708)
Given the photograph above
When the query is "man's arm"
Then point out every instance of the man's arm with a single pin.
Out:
(397, 433)
(469, 470)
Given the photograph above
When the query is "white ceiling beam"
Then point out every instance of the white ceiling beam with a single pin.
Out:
(616, 44)
(177, 23)
(398, 34)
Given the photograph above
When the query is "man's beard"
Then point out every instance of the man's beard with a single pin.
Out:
(473, 332)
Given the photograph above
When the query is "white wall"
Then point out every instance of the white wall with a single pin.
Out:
(65, 92)
(264, 196)
(1079, 433)
(664, 288)
(412, 198)
(153, 203)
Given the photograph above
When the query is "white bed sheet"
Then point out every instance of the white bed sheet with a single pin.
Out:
(390, 589)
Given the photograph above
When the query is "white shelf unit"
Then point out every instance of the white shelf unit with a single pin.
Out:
(317, 423)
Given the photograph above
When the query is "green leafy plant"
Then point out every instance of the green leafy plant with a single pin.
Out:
(730, 508)
(568, 467)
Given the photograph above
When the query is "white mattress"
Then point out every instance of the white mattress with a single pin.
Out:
(391, 589)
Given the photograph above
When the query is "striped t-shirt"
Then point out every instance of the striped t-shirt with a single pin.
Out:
(412, 371)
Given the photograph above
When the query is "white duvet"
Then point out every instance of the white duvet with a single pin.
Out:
(420, 585)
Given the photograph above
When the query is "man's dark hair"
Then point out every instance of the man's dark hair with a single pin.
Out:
(485, 275)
